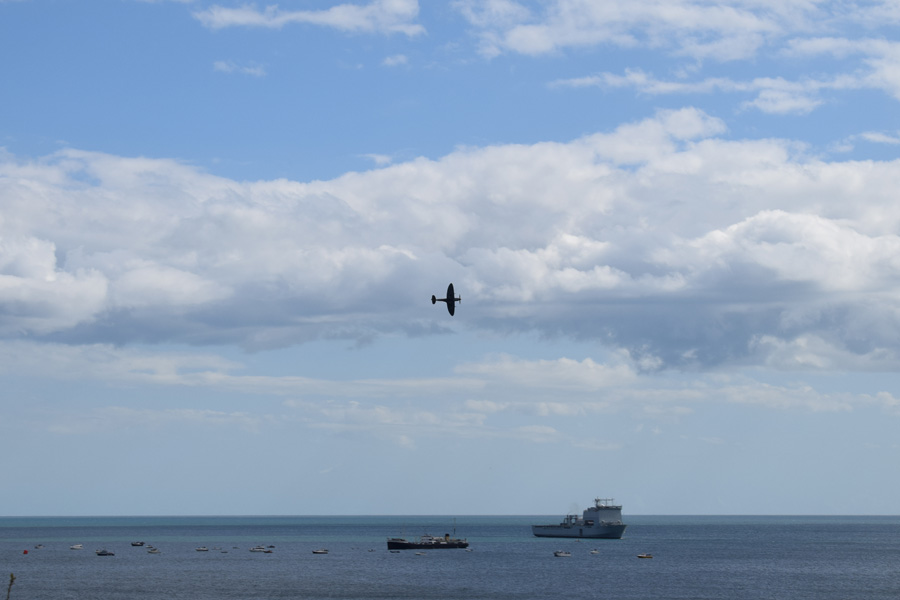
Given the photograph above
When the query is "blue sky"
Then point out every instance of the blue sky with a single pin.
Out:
(673, 225)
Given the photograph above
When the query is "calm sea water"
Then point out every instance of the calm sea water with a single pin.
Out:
(820, 558)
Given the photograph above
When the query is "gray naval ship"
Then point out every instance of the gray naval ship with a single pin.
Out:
(603, 520)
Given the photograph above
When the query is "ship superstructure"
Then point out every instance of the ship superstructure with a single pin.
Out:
(603, 520)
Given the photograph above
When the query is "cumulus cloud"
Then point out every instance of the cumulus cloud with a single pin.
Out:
(661, 238)
(378, 16)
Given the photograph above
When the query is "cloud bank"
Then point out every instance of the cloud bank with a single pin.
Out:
(662, 238)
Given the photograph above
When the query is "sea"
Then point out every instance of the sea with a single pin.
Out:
(693, 557)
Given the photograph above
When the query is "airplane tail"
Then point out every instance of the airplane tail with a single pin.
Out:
(434, 299)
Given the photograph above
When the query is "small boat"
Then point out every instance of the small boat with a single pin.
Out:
(153, 551)
(137, 543)
(202, 549)
(595, 551)
(103, 552)
(562, 553)
(645, 556)
(77, 547)
(320, 551)
(258, 549)
(39, 546)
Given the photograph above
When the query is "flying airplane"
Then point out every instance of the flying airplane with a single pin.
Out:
(451, 300)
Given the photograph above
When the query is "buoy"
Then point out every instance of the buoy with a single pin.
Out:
(26, 552)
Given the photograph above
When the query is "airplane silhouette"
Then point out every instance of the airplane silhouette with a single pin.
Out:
(451, 300)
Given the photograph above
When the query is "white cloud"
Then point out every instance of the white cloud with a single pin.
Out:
(148, 284)
(773, 95)
(492, 13)
(877, 137)
(659, 237)
(508, 397)
(880, 60)
(395, 60)
(118, 418)
(704, 32)
(687, 27)
(380, 159)
(37, 296)
(227, 66)
(560, 374)
(378, 16)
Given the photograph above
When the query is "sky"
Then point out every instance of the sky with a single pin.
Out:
(673, 225)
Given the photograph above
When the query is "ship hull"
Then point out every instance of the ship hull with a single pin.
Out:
(401, 544)
(606, 532)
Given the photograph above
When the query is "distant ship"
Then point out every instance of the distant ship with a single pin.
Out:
(426, 542)
(603, 520)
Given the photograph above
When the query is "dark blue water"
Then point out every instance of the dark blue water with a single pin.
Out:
(694, 557)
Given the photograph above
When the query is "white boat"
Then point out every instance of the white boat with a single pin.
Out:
(258, 549)
(562, 553)
(320, 551)
(595, 551)
(77, 547)
(202, 549)
(153, 551)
